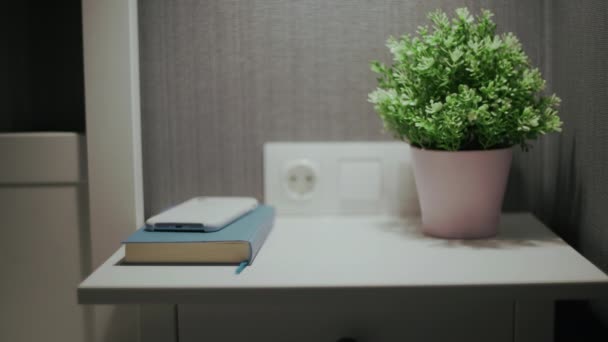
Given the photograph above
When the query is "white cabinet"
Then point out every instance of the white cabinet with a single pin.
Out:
(43, 248)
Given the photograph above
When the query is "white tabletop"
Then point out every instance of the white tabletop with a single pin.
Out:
(366, 254)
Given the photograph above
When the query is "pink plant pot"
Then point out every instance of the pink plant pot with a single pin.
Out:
(461, 192)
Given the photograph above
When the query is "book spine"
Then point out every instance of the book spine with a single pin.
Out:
(260, 236)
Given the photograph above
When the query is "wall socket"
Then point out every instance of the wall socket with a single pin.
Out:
(372, 178)
(300, 179)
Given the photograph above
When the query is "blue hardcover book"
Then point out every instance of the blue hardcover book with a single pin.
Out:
(238, 242)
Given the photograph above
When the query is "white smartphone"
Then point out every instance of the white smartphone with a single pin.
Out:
(202, 214)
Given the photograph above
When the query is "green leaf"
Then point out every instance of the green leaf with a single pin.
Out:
(456, 54)
(426, 63)
(496, 43)
(464, 15)
(434, 107)
(377, 67)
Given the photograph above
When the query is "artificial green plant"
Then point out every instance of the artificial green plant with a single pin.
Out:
(460, 86)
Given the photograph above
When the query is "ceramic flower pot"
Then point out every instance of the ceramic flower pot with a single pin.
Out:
(461, 192)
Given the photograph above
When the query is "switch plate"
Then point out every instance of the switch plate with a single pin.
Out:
(360, 180)
(343, 178)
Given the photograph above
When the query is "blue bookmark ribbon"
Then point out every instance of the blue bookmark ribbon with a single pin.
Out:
(241, 267)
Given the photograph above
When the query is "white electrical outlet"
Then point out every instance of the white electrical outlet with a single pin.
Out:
(339, 178)
(300, 179)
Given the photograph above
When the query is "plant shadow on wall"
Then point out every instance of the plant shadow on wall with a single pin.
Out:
(462, 95)
(410, 228)
(566, 211)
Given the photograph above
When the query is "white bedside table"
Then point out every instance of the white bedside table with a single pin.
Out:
(359, 274)
(346, 268)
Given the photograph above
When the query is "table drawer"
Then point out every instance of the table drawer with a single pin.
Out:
(413, 321)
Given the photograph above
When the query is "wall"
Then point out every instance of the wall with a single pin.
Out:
(113, 146)
(575, 188)
(221, 77)
(42, 87)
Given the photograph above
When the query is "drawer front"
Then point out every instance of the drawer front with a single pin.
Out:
(447, 321)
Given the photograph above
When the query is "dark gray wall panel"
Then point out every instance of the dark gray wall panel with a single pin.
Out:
(42, 83)
(221, 77)
(15, 94)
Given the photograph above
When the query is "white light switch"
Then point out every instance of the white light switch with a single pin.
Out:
(360, 180)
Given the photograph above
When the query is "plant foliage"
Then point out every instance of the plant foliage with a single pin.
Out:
(460, 86)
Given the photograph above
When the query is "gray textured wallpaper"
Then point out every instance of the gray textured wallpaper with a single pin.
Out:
(221, 77)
